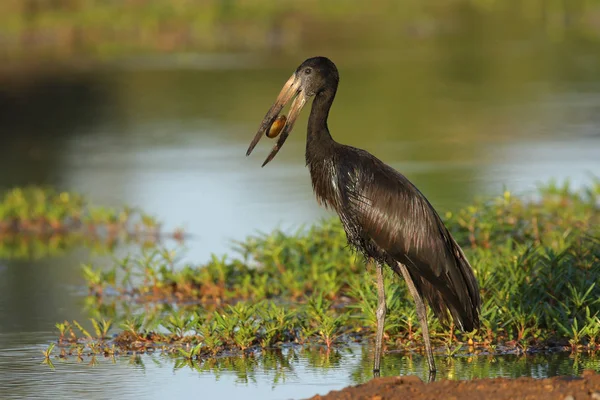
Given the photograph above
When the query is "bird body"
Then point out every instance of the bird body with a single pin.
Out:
(388, 219)
(384, 215)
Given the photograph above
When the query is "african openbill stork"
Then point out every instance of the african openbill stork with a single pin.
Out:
(384, 215)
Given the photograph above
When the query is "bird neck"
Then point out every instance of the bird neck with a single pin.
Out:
(318, 132)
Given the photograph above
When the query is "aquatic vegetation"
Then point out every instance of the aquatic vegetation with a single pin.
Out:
(48, 350)
(37, 222)
(537, 261)
(242, 327)
(48, 354)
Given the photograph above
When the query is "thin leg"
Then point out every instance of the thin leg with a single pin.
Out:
(422, 315)
(381, 311)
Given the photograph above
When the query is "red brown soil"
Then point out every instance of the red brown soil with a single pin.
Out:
(411, 387)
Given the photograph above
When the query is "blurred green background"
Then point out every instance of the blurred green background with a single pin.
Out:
(99, 29)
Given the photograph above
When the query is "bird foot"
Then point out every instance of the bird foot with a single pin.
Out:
(431, 376)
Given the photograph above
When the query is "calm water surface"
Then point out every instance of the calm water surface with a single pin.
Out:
(172, 140)
(287, 374)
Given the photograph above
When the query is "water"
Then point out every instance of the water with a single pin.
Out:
(458, 121)
(286, 374)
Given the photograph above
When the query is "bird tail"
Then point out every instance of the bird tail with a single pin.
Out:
(457, 293)
(469, 316)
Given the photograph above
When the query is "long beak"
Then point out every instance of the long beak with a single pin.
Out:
(290, 89)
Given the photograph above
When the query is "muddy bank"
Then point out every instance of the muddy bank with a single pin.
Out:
(586, 386)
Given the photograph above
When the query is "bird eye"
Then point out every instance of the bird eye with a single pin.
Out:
(307, 71)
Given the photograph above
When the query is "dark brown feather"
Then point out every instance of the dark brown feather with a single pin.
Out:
(387, 218)
(384, 215)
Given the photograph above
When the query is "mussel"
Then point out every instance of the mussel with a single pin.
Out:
(276, 127)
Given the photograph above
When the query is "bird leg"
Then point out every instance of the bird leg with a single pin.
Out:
(381, 311)
(422, 315)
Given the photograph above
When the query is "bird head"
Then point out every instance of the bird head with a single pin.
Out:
(310, 78)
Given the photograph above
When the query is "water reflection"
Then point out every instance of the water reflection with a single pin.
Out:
(287, 373)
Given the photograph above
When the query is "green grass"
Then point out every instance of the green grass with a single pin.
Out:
(37, 222)
(537, 261)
